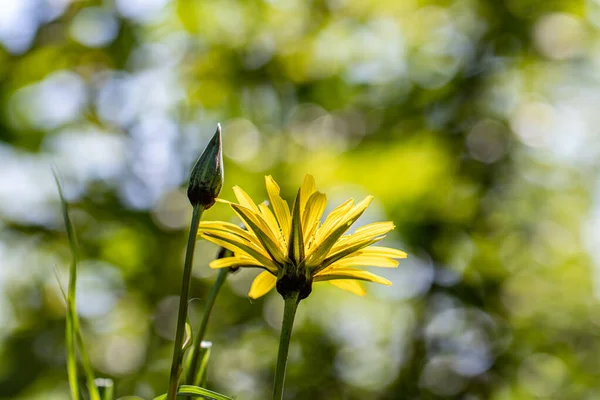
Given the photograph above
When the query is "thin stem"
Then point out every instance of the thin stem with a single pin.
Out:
(85, 361)
(183, 303)
(289, 312)
(196, 351)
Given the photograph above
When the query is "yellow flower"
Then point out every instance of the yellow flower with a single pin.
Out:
(295, 249)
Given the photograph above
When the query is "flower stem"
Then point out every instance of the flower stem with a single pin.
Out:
(183, 303)
(289, 312)
(196, 349)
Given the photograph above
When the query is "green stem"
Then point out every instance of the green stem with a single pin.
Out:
(70, 338)
(85, 361)
(183, 303)
(196, 351)
(289, 312)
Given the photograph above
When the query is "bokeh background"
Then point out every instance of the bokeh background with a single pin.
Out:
(474, 124)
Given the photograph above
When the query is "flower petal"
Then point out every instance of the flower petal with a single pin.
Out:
(218, 226)
(271, 221)
(219, 200)
(306, 190)
(257, 224)
(237, 261)
(312, 215)
(262, 284)
(363, 234)
(350, 273)
(377, 251)
(345, 252)
(280, 206)
(365, 261)
(244, 199)
(235, 244)
(327, 240)
(350, 285)
(332, 219)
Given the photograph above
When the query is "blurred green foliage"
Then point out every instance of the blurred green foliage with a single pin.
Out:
(472, 122)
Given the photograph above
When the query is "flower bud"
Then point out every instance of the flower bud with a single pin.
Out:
(206, 179)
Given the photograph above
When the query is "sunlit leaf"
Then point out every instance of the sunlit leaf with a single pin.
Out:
(195, 391)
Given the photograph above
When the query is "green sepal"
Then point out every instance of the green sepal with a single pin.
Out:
(296, 241)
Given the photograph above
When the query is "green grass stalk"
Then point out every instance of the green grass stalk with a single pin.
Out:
(178, 352)
(193, 376)
(73, 337)
(289, 313)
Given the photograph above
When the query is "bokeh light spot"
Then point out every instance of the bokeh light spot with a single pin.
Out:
(94, 27)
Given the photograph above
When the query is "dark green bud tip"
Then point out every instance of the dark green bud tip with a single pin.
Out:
(206, 179)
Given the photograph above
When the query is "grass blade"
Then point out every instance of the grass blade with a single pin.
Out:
(106, 388)
(73, 332)
(195, 391)
(199, 378)
(204, 356)
(71, 310)
(87, 366)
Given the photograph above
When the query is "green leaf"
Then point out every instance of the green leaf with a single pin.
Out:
(187, 341)
(204, 354)
(203, 370)
(195, 391)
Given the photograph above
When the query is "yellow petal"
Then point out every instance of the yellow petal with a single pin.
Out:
(212, 226)
(376, 228)
(334, 216)
(280, 206)
(272, 223)
(237, 261)
(349, 273)
(306, 190)
(312, 215)
(219, 200)
(244, 199)
(350, 285)
(325, 230)
(346, 219)
(326, 240)
(237, 245)
(365, 261)
(262, 284)
(234, 238)
(343, 253)
(370, 231)
(257, 224)
(377, 251)
(363, 234)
